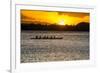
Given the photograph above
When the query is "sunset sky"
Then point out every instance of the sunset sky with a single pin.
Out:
(53, 17)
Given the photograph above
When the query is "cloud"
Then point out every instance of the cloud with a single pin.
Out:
(29, 16)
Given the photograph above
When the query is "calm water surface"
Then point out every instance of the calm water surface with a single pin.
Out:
(73, 46)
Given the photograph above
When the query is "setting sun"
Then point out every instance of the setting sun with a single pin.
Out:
(61, 22)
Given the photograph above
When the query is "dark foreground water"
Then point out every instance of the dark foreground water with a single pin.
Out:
(73, 46)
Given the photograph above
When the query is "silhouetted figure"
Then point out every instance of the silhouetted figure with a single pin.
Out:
(36, 37)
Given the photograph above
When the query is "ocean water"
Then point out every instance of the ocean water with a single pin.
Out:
(73, 46)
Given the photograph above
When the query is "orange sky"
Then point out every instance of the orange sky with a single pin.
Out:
(53, 17)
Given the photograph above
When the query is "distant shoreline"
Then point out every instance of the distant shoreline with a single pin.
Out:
(83, 26)
(53, 31)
